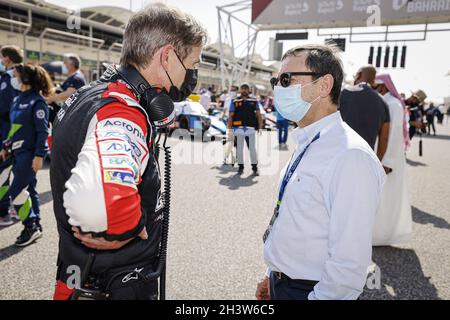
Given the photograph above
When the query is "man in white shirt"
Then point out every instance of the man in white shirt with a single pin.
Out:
(319, 242)
(229, 145)
(205, 99)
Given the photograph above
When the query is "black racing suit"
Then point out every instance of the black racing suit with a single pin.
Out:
(105, 180)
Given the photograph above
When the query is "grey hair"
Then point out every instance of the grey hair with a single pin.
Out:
(323, 59)
(156, 26)
(74, 59)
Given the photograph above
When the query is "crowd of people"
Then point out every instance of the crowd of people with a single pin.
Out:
(29, 101)
(374, 124)
(376, 111)
(251, 109)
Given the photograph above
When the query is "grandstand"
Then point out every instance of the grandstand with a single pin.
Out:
(43, 31)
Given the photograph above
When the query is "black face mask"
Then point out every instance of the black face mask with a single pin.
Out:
(188, 86)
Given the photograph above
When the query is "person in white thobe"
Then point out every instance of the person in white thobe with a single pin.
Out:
(393, 222)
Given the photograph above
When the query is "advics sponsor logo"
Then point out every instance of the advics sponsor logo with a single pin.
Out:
(116, 147)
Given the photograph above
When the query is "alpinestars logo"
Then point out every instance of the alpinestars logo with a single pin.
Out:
(160, 202)
(132, 275)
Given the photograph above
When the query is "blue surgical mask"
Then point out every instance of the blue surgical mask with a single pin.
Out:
(290, 103)
(16, 84)
(64, 70)
(2, 66)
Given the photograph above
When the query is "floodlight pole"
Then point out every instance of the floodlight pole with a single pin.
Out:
(232, 67)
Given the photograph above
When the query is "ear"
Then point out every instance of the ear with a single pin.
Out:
(326, 85)
(164, 54)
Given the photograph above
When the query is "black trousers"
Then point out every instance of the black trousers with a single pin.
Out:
(136, 290)
(128, 286)
(289, 289)
(412, 132)
(123, 283)
(430, 125)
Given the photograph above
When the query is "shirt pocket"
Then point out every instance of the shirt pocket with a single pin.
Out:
(304, 193)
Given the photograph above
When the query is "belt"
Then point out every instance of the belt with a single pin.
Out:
(243, 127)
(282, 276)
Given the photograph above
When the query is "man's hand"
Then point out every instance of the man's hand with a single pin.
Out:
(49, 99)
(38, 162)
(3, 155)
(101, 243)
(263, 289)
(383, 140)
(417, 124)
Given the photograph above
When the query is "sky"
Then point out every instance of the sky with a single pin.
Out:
(427, 61)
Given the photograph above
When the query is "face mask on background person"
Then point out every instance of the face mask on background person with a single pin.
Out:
(233, 94)
(188, 85)
(2, 66)
(290, 103)
(64, 70)
(16, 84)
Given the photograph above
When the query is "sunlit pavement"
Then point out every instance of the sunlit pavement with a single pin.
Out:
(218, 218)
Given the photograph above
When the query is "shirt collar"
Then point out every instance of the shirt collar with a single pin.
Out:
(307, 134)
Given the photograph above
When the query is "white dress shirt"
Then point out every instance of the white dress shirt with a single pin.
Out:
(205, 100)
(324, 228)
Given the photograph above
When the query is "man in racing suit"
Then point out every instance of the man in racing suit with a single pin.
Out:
(104, 175)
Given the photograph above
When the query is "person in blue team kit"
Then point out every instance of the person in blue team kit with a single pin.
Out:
(75, 78)
(26, 144)
(10, 55)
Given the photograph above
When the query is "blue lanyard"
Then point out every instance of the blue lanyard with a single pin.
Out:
(290, 171)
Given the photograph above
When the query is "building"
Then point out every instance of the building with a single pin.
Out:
(46, 31)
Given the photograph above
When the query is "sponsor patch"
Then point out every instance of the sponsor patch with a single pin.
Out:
(117, 162)
(112, 147)
(128, 126)
(71, 99)
(119, 177)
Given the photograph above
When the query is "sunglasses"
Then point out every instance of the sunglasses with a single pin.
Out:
(285, 78)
